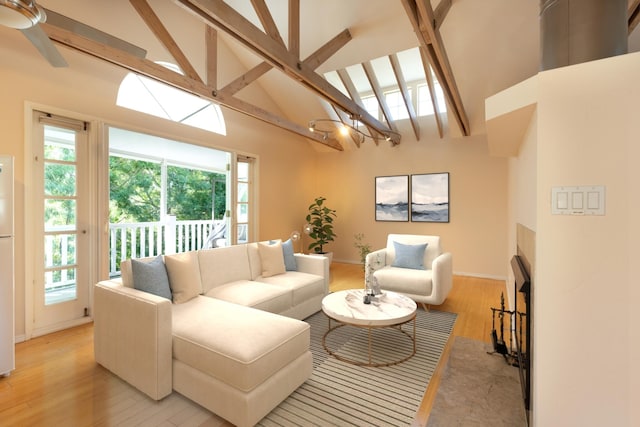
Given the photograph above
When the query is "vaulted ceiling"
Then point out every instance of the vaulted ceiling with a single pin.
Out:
(287, 47)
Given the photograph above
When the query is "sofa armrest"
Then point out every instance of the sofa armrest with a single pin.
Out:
(442, 277)
(133, 337)
(314, 264)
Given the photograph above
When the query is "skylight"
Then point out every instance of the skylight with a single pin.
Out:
(415, 79)
(148, 96)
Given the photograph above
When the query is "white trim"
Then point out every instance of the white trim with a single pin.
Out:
(61, 326)
(29, 262)
(480, 275)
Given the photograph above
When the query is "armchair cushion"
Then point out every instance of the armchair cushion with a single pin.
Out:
(409, 256)
(405, 280)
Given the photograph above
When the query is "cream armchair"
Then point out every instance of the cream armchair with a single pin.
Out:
(405, 266)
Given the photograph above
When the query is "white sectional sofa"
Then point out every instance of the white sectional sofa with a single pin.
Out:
(231, 338)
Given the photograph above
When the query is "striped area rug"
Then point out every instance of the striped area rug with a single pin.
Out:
(342, 394)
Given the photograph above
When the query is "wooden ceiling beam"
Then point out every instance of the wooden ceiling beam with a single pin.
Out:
(377, 90)
(402, 84)
(441, 12)
(327, 50)
(211, 52)
(269, 25)
(633, 15)
(345, 78)
(153, 22)
(294, 28)
(222, 16)
(432, 91)
(246, 79)
(313, 61)
(422, 19)
(183, 82)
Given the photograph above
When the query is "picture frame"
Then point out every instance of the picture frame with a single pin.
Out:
(430, 197)
(392, 198)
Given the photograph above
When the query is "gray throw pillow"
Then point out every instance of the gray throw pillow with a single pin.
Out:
(151, 277)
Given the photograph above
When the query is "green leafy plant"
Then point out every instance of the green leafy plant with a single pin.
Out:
(320, 225)
(363, 248)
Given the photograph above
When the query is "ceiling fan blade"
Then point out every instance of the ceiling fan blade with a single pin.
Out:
(61, 21)
(42, 42)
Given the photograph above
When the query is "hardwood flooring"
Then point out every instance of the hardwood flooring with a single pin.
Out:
(58, 383)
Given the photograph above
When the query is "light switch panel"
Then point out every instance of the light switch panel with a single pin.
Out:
(582, 200)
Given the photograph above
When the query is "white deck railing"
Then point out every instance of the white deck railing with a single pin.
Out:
(127, 240)
(147, 239)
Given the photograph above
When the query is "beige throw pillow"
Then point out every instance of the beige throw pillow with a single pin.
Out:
(271, 258)
(184, 276)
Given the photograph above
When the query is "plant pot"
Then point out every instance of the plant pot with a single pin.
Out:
(324, 254)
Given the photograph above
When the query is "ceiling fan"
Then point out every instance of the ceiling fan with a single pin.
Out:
(26, 15)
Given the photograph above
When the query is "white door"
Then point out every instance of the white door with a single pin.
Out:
(61, 223)
(245, 216)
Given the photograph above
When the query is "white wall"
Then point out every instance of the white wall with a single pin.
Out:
(585, 319)
(522, 196)
(475, 235)
(586, 336)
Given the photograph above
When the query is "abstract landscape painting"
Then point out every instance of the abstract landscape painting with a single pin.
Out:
(392, 198)
(430, 197)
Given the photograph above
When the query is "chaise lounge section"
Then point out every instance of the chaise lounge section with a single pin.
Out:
(231, 340)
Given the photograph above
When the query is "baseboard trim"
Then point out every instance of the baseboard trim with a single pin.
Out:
(456, 273)
(61, 326)
(480, 275)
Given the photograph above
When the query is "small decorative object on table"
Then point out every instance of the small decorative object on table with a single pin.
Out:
(371, 285)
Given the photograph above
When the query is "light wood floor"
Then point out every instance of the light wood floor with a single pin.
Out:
(58, 383)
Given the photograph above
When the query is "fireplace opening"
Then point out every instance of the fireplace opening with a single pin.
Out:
(523, 314)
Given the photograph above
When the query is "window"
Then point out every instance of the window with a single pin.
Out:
(425, 106)
(370, 104)
(396, 105)
(165, 196)
(158, 99)
(244, 203)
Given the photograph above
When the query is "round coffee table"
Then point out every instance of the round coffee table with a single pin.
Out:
(389, 310)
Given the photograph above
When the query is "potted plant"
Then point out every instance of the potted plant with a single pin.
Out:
(320, 225)
(362, 247)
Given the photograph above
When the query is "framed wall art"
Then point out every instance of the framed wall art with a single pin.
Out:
(430, 197)
(392, 198)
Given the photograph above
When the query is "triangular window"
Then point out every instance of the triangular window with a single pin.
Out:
(148, 96)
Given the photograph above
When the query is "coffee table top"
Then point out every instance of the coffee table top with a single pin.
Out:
(387, 309)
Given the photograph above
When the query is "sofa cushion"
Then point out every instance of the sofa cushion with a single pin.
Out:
(303, 286)
(223, 265)
(184, 275)
(254, 257)
(271, 259)
(238, 345)
(405, 280)
(151, 277)
(409, 256)
(289, 258)
(254, 294)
